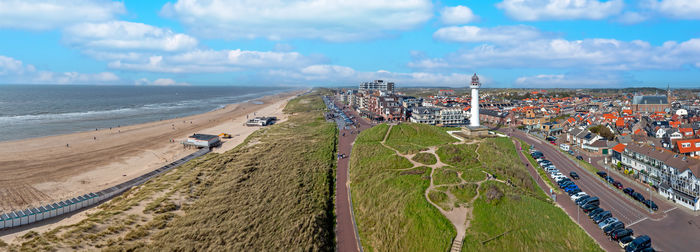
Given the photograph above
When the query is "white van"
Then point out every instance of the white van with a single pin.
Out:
(564, 147)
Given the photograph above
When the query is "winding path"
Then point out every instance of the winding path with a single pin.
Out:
(461, 216)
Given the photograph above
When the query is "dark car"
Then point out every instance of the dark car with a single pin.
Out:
(579, 157)
(610, 180)
(638, 196)
(602, 216)
(570, 188)
(628, 191)
(595, 212)
(584, 197)
(591, 200)
(602, 174)
(574, 175)
(563, 180)
(651, 204)
(612, 227)
(571, 152)
(575, 191)
(589, 207)
(639, 243)
(565, 184)
(617, 184)
(617, 235)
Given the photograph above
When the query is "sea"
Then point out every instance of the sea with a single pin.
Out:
(28, 111)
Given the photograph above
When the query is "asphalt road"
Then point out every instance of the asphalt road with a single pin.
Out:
(670, 228)
(346, 234)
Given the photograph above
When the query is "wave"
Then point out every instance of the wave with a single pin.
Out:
(193, 106)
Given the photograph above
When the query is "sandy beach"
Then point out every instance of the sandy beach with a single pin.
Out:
(46, 169)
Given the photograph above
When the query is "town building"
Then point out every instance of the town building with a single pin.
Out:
(673, 174)
(379, 85)
(650, 103)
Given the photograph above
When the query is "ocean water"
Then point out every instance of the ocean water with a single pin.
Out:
(28, 111)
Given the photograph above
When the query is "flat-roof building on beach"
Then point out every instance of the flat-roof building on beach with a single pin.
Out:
(203, 140)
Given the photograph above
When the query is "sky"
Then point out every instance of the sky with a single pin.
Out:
(509, 43)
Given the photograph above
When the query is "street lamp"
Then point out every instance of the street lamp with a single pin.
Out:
(649, 199)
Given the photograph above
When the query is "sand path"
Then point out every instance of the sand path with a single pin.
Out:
(42, 170)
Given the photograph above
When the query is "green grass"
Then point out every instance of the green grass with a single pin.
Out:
(464, 192)
(499, 157)
(391, 211)
(440, 198)
(461, 156)
(445, 175)
(532, 225)
(543, 175)
(410, 138)
(473, 175)
(425, 158)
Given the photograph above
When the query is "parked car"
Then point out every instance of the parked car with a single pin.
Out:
(595, 212)
(638, 196)
(577, 196)
(617, 235)
(651, 204)
(571, 152)
(601, 216)
(624, 241)
(579, 157)
(609, 180)
(628, 191)
(591, 200)
(602, 174)
(575, 191)
(574, 175)
(606, 222)
(582, 198)
(617, 184)
(571, 188)
(639, 243)
(589, 207)
(565, 184)
(613, 227)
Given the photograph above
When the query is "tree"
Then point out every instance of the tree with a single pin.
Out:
(603, 132)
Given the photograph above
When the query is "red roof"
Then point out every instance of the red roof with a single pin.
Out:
(694, 145)
(675, 124)
(637, 131)
(619, 148)
(620, 122)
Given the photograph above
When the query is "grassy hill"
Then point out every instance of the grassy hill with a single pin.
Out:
(510, 213)
(274, 192)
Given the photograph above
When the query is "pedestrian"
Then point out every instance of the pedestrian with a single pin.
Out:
(66, 145)
(94, 138)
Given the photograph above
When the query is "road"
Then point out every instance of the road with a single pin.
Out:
(670, 229)
(346, 233)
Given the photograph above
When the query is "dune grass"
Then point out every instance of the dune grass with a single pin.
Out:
(445, 175)
(425, 158)
(461, 156)
(410, 138)
(274, 192)
(391, 211)
(529, 224)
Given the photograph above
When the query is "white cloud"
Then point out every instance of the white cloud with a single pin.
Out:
(596, 53)
(334, 74)
(631, 17)
(45, 14)
(534, 10)
(15, 71)
(678, 9)
(500, 34)
(332, 20)
(457, 15)
(124, 35)
(199, 61)
(569, 80)
(159, 82)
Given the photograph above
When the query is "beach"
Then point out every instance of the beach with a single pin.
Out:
(41, 170)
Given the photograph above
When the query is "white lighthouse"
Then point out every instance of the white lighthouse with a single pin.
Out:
(474, 120)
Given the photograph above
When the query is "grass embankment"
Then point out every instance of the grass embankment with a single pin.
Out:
(410, 138)
(274, 192)
(391, 211)
(522, 215)
(425, 158)
(543, 175)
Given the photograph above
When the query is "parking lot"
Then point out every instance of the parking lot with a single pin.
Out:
(670, 228)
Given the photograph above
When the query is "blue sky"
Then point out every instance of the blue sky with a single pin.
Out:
(510, 43)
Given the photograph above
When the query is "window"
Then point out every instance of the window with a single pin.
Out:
(697, 145)
(685, 145)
